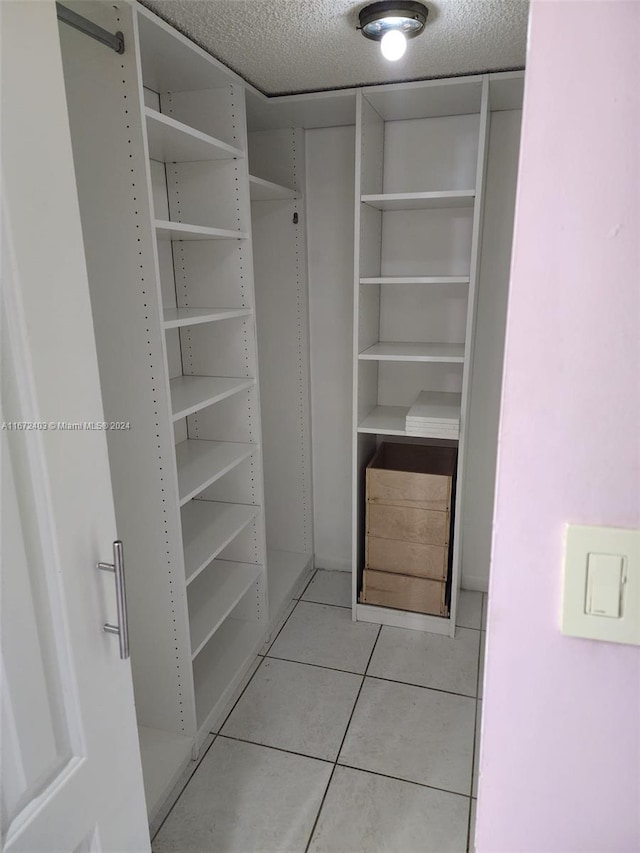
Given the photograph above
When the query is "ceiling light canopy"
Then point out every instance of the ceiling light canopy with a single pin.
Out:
(392, 22)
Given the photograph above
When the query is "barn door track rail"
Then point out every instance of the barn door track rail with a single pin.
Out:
(115, 41)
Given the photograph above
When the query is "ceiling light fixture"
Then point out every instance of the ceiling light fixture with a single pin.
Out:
(392, 22)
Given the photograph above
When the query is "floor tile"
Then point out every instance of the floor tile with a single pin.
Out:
(472, 827)
(429, 660)
(412, 733)
(298, 707)
(325, 635)
(371, 814)
(476, 755)
(236, 694)
(483, 649)
(246, 798)
(330, 588)
(469, 614)
(277, 628)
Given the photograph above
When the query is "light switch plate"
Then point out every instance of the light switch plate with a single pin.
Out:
(593, 546)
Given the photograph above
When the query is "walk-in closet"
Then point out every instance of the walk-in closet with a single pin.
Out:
(299, 306)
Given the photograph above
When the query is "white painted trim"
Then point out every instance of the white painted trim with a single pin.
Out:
(331, 564)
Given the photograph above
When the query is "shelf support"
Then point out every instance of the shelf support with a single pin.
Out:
(89, 28)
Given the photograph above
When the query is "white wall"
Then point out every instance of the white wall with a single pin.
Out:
(486, 380)
(330, 171)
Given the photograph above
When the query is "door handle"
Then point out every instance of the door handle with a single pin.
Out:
(122, 628)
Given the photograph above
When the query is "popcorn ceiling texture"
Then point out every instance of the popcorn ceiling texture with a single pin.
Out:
(284, 46)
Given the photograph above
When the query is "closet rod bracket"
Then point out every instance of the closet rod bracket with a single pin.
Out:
(115, 41)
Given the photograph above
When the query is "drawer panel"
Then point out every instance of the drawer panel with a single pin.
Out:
(408, 524)
(419, 595)
(407, 558)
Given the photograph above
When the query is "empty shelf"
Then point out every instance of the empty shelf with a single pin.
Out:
(385, 420)
(392, 351)
(420, 201)
(175, 317)
(207, 528)
(417, 279)
(201, 462)
(189, 394)
(225, 655)
(181, 231)
(214, 595)
(171, 141)
(261, 190)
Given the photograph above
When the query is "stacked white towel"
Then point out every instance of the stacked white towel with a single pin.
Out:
(434, 414)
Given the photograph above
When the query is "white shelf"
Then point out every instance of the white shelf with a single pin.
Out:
(201, 462)
(207, 528)
(261, 190)
(213, 596)
(164, 756)
(189, 394)
(227, 653)
(385, 420)
(420, 201)
(176, 317)
(171, 141)
(398, 351)
(181, 231)
(285, 569)
(417, 279)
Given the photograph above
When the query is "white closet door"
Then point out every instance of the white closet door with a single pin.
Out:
(71, 773)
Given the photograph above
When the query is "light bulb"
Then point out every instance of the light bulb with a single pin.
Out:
(393, 45)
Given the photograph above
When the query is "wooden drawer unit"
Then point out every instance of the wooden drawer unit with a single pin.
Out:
(412, 475)
(407, 558)
(409, 491)
(402, 592)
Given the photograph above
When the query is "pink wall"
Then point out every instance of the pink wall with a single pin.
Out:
(560, 764)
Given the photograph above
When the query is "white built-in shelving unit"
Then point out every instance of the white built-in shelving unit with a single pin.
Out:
(420, 154)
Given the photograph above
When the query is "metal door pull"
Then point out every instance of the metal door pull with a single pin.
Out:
(122, 628)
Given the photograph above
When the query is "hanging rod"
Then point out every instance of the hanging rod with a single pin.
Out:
(85, 26)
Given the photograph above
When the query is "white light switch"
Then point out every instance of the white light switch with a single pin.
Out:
(604, 585)
(601, 593)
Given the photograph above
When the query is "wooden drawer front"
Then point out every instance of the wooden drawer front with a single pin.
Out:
(407, 558)
(405, 488)
(419, 595)
(408, 524)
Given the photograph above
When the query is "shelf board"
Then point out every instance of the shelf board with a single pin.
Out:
(176, 317)
(171, 141)
(261, 190)
(164, 757)
(385, 420)
(207, 528)
(189, 394)
(214, 595)
(420, 201)
(398, 351)
(417, 279)
(226, 654)
(201, 462)
(166, 230)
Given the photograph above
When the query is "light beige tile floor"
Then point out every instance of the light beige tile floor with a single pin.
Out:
(347, 738)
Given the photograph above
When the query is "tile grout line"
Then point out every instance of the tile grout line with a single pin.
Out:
(344, 737)
(191, 775)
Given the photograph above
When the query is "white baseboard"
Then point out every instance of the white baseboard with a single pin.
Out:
(475, 583)
(333, 565)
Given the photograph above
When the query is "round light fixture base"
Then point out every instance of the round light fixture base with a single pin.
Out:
(403, 16)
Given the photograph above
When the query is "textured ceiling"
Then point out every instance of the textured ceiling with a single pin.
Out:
(284, 46)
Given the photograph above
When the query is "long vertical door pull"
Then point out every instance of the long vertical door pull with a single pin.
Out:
(122, 628)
